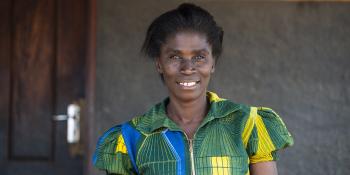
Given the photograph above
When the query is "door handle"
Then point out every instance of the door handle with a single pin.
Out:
(73, 122)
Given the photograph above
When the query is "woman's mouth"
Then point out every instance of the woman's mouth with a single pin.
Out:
(188, 84)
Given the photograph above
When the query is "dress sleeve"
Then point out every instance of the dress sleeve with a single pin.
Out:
(111, 154)
(268, 134)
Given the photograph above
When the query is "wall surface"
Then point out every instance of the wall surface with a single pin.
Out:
(292, 57)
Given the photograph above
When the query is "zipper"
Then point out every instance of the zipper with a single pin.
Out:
(190, 147)
(191, 153)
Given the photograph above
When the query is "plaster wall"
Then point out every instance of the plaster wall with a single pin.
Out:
(293, 57)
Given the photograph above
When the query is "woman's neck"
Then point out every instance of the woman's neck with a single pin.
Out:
(184, 113)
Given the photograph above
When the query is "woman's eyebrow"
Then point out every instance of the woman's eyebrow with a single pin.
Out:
(176, 51)
(170, 50)
(202, 51)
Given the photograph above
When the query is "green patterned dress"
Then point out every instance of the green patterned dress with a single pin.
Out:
(229, 138)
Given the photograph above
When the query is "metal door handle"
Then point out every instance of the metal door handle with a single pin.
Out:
(73, 122)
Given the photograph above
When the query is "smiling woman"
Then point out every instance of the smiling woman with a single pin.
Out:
(193, 131)
(186, 63)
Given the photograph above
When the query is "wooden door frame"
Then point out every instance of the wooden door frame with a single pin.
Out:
(89, 145)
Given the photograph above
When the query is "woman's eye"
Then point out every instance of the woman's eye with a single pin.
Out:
(199, 57)
(174, 57)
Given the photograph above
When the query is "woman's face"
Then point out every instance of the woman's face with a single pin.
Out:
(186, 63)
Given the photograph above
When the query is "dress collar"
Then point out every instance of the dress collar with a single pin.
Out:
(156, 118)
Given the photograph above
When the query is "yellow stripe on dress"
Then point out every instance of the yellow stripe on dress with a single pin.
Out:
(265, 144)
(248, 128)
(220, 165)
(120, 145)
(214, 98)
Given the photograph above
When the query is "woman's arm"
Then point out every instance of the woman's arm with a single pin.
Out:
(263, 168)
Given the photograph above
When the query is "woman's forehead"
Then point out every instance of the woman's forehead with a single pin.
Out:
(186, 42)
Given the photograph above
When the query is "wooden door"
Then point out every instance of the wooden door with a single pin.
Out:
(43, 51)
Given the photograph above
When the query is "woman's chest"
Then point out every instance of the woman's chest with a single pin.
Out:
(214, 150)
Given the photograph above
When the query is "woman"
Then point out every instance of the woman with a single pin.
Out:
(193, 131)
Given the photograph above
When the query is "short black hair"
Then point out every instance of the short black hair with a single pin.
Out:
(186, 17)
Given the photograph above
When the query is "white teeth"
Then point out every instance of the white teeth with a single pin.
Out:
(188, 84)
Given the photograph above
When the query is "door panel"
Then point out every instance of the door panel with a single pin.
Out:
(32, 72)
(43, 50)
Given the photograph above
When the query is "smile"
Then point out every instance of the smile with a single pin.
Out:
(188, 84)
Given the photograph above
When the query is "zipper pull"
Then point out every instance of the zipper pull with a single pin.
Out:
(190, 144)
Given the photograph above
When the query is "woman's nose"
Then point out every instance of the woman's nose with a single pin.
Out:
(187, 66)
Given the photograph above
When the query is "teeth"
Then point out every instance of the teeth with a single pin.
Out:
(188, 84)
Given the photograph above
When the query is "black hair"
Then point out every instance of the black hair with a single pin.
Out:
(186, 17)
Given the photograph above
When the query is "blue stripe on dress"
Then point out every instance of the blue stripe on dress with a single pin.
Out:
(176, 143)
(131, 136)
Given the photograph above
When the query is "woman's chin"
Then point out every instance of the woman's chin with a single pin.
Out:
(189, 95)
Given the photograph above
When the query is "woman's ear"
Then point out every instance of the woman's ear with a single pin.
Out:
(158, 66)
(212, 68)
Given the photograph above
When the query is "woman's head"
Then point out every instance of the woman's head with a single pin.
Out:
(184, 44)
(187, 17)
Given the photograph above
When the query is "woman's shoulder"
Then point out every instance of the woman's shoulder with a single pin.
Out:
(264, 128)
(106, 145)
(248, 112)
(252, 116)
(109, 137)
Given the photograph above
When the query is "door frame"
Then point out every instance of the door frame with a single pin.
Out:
(89, 145)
